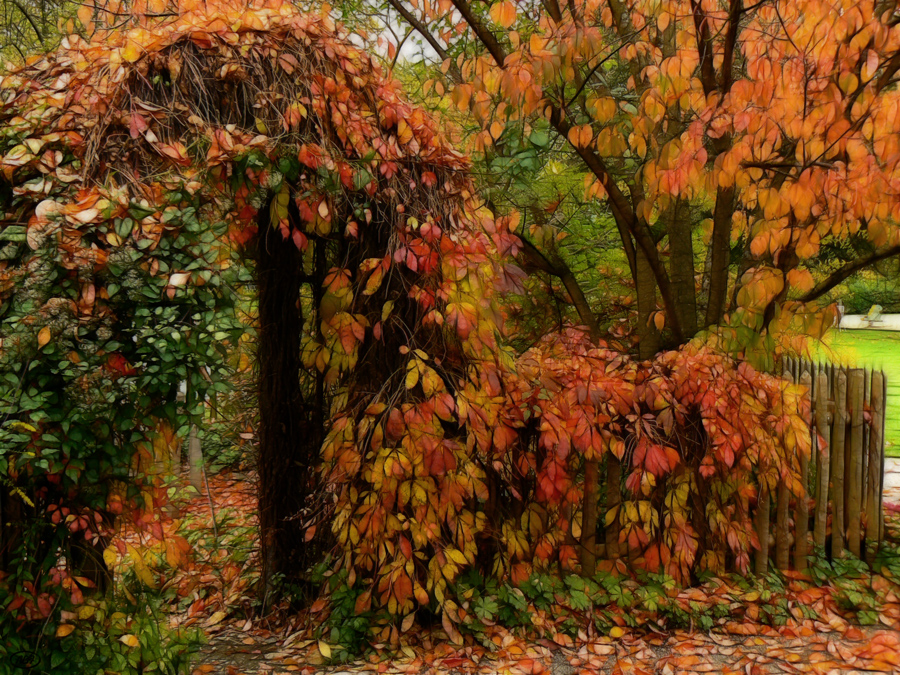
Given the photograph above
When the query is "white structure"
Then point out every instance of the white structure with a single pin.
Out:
(862, 321)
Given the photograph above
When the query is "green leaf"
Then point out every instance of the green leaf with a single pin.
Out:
(539, 138)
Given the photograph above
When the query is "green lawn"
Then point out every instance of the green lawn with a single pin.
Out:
(871, 349)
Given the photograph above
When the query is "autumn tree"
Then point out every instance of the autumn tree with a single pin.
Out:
(728, 140)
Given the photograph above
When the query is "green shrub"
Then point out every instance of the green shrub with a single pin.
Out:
(125, 635)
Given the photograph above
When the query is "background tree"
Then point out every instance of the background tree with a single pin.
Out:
(727, 140)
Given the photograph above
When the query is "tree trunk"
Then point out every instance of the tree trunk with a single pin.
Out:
(289, 440)
(720, 254)
(645, 285)
(681, 266)
(589, 518)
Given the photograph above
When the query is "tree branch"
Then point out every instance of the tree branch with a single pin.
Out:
(734, 18)
(846, 271)
(34, 25)
(413, 21)
(704, 47)
(558, 268)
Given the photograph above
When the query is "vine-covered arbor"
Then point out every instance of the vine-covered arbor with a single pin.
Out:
(136, 161)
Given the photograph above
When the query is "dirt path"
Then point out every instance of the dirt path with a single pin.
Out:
(829, 646)
(786, 650)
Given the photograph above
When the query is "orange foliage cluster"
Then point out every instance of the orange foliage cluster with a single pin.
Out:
(697, 434)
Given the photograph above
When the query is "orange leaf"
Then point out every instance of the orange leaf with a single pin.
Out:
(503, 13)
(64, 629)
(44, 336)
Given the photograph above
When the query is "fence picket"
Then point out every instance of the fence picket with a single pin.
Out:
(762, 529)
(874, 516)
(838, 432)
(823, 426)
(853, 505)
(802, 522)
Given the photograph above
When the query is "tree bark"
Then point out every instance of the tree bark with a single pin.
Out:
(645, 285)
(289, 440)
(720, 254)
(681, 265)
(556, 266)
(589, 517)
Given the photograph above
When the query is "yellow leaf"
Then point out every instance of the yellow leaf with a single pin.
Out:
(110, 557)
(86, 612)
(130, 640)
(44, 336)
(412, 374)
(131, 52)
(324, 649)
(404, 132)
(140, 567)
(456, 556)
(216, 618)
(64, 629)
(616, 632)
(23, 496)
(22, 426)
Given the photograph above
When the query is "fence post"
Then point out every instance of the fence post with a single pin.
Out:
(874, 515)
(823, 426)
(589, 518)
(839, 431)
(782, 542)
(864, 452)
(801, 525)
(853, 505)
(613, 502)
(195, 459)
(762, 529)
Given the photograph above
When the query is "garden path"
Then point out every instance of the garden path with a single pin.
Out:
(828, 645)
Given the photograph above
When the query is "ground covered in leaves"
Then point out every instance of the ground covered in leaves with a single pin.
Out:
(211, 588)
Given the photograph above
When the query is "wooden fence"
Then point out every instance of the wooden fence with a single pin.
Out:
(845, 475)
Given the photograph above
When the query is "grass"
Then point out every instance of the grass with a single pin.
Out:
(871, 349)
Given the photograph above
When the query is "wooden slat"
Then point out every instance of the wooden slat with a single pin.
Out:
(801, 525)
(864, 471)
(881, 487)
(782, 543)
(823, 426)
(762, 530)
(838, 431)
(874, 516)
(613, 502)
(853, 506)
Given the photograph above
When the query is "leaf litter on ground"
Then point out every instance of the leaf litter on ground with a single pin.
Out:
(214, 581)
